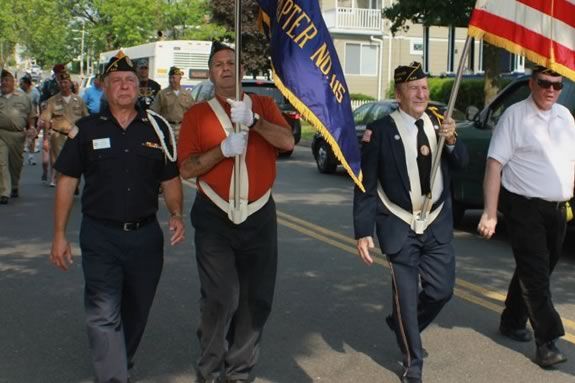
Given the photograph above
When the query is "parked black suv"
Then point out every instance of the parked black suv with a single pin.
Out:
(205, 90)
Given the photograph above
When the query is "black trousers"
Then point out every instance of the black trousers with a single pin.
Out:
(423, 278)
(536, 230)
(121, 271)
(237, 267)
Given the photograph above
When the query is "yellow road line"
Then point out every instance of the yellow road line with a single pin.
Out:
(461, 285)
(464, 289)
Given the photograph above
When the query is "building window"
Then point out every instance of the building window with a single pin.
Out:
(361, 59)
(416, 46)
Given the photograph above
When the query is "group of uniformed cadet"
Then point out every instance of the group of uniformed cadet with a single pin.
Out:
(128, 155)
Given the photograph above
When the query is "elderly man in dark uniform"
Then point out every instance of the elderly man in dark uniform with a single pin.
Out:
(123, 162)
(236, 249)
(148, 88)
(396, 163)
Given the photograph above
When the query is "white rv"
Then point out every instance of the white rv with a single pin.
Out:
(191, 56)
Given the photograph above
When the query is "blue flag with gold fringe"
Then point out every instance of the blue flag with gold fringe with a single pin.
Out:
(307, 71)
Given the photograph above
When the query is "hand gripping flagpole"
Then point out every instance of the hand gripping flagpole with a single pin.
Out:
(450, 105)
(237, 126)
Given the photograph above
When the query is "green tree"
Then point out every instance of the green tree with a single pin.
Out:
(8, 30)
(255, 46)
(444, 13)
(189, 20)
(50, 30)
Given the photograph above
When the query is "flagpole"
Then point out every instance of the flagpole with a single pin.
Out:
(238, 46)
(450, 106)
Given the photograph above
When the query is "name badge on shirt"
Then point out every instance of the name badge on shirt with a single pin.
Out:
(101, 143)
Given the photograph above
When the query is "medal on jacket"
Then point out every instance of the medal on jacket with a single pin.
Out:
(424, 150)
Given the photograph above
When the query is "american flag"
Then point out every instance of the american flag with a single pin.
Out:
(541, 30)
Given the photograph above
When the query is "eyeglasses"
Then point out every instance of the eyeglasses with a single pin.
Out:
(548, 84)
(143, 67)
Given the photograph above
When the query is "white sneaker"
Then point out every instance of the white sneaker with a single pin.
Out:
(52, 184)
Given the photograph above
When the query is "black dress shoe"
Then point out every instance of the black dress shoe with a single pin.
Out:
(517, 334)
(410, 379)
(4, 200)
(14, 193)
(548, 355)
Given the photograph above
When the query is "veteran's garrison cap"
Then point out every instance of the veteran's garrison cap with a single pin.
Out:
(411, 72)
(119, 63)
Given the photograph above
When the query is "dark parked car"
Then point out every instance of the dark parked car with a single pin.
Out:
(362, 116)
(467, 185)
(205, 90)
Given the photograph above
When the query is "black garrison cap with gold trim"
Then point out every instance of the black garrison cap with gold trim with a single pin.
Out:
(6, 73)
(411, 72)
(543, 70)
(119, 63)
(216, 47)
(175, 71)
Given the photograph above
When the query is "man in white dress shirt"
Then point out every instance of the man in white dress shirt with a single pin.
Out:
(530, 170)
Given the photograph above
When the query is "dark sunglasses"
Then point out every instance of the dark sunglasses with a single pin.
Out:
(143, 67)
(547, 84)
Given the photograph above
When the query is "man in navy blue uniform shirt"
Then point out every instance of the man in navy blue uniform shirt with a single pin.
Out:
(123, 163)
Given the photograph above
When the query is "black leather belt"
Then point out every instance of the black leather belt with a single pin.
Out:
(125, 226)
(549, 204)
(59, 131)
(174, 122)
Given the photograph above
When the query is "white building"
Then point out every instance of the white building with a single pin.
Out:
(369, 53)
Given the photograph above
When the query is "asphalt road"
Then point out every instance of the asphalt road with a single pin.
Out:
(327, 324)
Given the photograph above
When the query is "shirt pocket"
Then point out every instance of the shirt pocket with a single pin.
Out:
(150, 161)
(104, 162)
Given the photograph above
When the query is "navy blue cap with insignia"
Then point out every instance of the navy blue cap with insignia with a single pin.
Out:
(216, 47)
(411, 72)
(175, 71)
(119, 63)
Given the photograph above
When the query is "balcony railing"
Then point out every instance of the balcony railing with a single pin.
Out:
(353, 19)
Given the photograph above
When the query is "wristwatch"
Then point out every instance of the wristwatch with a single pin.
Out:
(256, 119)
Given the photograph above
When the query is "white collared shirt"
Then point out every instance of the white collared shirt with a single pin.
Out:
(537, 150)
(437, 188)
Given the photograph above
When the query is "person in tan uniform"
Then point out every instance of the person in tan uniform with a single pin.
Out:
(16, 117)
(62, 112)
(172, 102)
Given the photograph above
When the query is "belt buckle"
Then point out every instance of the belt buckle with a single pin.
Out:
(129, 226)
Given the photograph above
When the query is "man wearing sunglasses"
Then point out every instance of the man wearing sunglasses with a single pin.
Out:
(531, 162)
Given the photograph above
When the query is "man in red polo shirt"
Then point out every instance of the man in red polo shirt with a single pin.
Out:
(236, 249)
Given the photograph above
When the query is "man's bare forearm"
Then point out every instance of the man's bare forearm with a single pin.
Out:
(276, 135)
(491, 187)
(173, 195)
(63, 202)
(198, 164)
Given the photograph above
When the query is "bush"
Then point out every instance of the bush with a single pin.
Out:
(470, 91)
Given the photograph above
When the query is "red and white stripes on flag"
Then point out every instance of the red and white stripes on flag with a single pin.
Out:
(541, 30)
